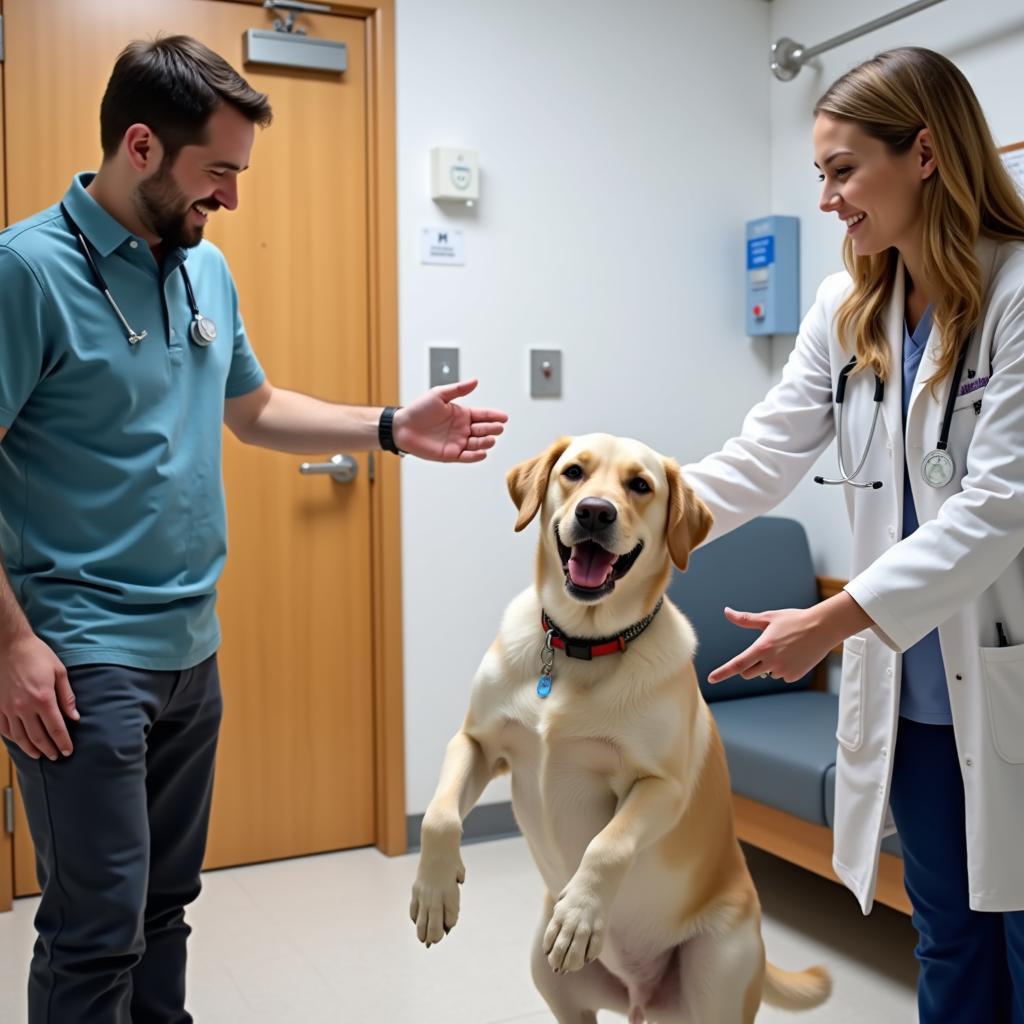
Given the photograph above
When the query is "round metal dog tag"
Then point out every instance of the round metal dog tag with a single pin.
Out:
(937, 468)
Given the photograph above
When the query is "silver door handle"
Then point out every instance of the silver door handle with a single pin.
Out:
(343, 468)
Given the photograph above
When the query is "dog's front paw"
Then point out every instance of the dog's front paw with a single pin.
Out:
(575, 934)
(435, 900)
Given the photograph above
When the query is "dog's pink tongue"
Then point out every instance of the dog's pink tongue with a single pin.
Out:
(590, 565)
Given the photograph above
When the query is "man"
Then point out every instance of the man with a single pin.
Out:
(114, 381)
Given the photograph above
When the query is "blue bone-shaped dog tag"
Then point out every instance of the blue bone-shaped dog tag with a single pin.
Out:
(544, 686)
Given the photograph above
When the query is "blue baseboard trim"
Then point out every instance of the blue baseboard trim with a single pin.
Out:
(484, 822)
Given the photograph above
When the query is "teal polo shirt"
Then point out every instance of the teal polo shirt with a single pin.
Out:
(112, 516)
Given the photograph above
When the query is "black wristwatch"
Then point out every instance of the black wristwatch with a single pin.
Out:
(385, 430)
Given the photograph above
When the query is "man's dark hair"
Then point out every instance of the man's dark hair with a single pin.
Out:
(173, 85)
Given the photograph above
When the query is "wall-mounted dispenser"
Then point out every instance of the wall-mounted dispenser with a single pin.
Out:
(773, 275)
(454, 175)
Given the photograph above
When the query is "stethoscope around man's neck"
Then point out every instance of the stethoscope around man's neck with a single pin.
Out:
(937, 467)
(202, 330)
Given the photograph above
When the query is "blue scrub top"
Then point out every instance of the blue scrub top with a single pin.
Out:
(924, 695)
(112, 516)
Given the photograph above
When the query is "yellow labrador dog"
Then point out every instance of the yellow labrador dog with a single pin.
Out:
(588, 696)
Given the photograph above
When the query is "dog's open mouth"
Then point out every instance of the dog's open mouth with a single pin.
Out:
(591, 571)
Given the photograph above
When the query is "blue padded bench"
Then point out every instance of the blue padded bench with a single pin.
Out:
(779, 737)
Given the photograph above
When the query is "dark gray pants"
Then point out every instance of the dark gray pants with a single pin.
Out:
(120, 830)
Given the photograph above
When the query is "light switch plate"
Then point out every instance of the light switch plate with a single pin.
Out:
(444, 366)
(545, 373)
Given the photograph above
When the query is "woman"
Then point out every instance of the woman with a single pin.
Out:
(931, 709)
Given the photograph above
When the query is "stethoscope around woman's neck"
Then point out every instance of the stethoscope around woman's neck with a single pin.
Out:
(202, 330)
(937, 467)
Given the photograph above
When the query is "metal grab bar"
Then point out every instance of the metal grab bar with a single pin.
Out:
(788, 57)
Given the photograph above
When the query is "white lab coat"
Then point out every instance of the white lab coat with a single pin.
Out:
(962, 570)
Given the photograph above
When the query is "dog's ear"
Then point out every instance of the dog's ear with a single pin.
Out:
(689, 519)
(528, 481)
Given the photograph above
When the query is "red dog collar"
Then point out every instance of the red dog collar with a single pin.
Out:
(586, 648)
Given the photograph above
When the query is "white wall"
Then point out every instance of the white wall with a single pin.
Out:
(623, 147)
(986, 40)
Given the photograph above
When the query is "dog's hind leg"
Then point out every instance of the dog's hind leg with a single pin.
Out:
(721, 975)
(575, 998)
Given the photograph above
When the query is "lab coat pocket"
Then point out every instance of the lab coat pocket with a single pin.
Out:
(850, 728)
(971, 392)
(1002, 670)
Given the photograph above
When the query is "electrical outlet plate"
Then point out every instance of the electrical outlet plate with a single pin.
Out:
(545, 373)
(444, 366)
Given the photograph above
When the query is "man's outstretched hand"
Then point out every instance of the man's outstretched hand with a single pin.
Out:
(434, 427)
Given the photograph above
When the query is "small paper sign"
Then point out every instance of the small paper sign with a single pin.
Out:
(445, 246)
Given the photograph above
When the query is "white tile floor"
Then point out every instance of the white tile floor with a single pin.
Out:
(327, 939)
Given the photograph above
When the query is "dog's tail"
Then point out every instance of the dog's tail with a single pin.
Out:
(796, 990)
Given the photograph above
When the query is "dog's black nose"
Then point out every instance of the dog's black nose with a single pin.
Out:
(596, 514)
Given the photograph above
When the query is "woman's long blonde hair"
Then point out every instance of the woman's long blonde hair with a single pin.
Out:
(891, 98)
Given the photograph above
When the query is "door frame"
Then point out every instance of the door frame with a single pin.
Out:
(387, 680)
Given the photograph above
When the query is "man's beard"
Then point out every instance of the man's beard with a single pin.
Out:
(164, 210)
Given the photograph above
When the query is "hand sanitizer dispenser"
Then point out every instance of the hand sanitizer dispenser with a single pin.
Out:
(773, 275)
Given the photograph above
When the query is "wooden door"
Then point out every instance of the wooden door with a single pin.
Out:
(296, 767)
